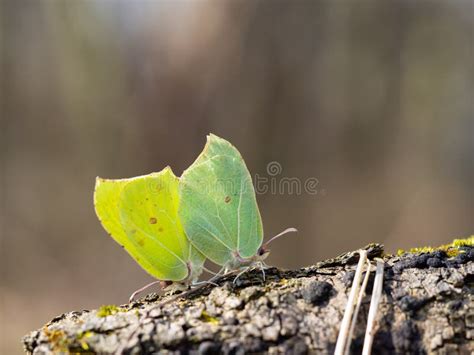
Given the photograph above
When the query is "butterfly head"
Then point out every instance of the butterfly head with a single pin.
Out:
(165, 283)
(262, 253)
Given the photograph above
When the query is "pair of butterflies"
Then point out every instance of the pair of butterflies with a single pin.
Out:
(170, 225)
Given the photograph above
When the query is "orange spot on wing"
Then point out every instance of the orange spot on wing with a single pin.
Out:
(153, 220)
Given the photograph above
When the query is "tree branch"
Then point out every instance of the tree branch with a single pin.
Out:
(427, 306)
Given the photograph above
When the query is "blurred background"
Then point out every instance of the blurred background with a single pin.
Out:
(374, 99)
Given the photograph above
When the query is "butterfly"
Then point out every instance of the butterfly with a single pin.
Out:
(218, 208)
(141, 214)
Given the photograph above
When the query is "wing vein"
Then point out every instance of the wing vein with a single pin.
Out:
(222, 222)
(238, 215)
(213, 235)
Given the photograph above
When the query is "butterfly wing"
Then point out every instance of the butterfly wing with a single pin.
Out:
(141, 215)
(218, 207)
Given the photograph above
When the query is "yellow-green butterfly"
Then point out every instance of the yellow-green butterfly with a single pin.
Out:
(218, 208)
(141, 214)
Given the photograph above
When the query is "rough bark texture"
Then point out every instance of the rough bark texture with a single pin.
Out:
(427, 307)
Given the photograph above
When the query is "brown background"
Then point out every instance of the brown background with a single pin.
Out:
(372, 98)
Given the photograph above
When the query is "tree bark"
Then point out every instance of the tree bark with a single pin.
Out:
(427, 307)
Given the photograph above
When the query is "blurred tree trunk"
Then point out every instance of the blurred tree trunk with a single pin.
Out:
(427, 307)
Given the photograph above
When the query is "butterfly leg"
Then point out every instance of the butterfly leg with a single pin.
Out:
(212, 272)
(240, 274)
(207, 282)
(220, 273)
(262, 268)
(140, 290)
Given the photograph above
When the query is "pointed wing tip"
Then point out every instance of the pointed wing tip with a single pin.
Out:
(212, 137)
(215, 139)
(168, 170)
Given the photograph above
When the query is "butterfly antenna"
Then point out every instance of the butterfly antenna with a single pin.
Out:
(288, 230)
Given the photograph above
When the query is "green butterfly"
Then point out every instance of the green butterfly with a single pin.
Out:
(218, 208)
(141, 214)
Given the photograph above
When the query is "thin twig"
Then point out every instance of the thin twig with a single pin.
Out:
(357, 307)
(374, 303)
(346, 320)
